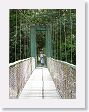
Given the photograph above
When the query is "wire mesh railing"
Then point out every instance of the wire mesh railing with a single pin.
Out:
(64, 77)
(19, 73)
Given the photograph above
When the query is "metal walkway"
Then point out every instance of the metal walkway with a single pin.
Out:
(40, 86)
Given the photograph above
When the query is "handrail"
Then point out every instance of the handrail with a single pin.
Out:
(19, 73)
(19, 61)
(64, 77)
(72, 65)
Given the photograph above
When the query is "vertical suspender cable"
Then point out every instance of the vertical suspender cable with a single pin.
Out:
(53, 40)
(60, 34)
(65, 37)
(27, 41)
(24, 45)
(71, 33)
(16, 35)
(20, 36)
(27, 37)
(24, 38)
(57, 38)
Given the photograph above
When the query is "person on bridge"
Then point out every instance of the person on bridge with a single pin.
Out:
(41, 58)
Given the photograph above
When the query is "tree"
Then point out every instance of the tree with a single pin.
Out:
(63, 23)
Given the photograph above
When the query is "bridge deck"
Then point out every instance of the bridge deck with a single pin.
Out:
(40, 86)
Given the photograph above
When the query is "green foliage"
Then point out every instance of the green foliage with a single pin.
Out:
(63, 23)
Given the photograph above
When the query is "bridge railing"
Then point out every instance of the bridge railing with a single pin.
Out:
(64, 77)
(19, 73)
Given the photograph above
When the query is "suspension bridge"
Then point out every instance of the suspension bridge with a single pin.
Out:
(28, 78)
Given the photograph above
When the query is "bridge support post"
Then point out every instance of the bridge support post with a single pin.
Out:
(33, 46)
(48, 41)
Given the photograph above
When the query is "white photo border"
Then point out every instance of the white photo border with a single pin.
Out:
(79, 102)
